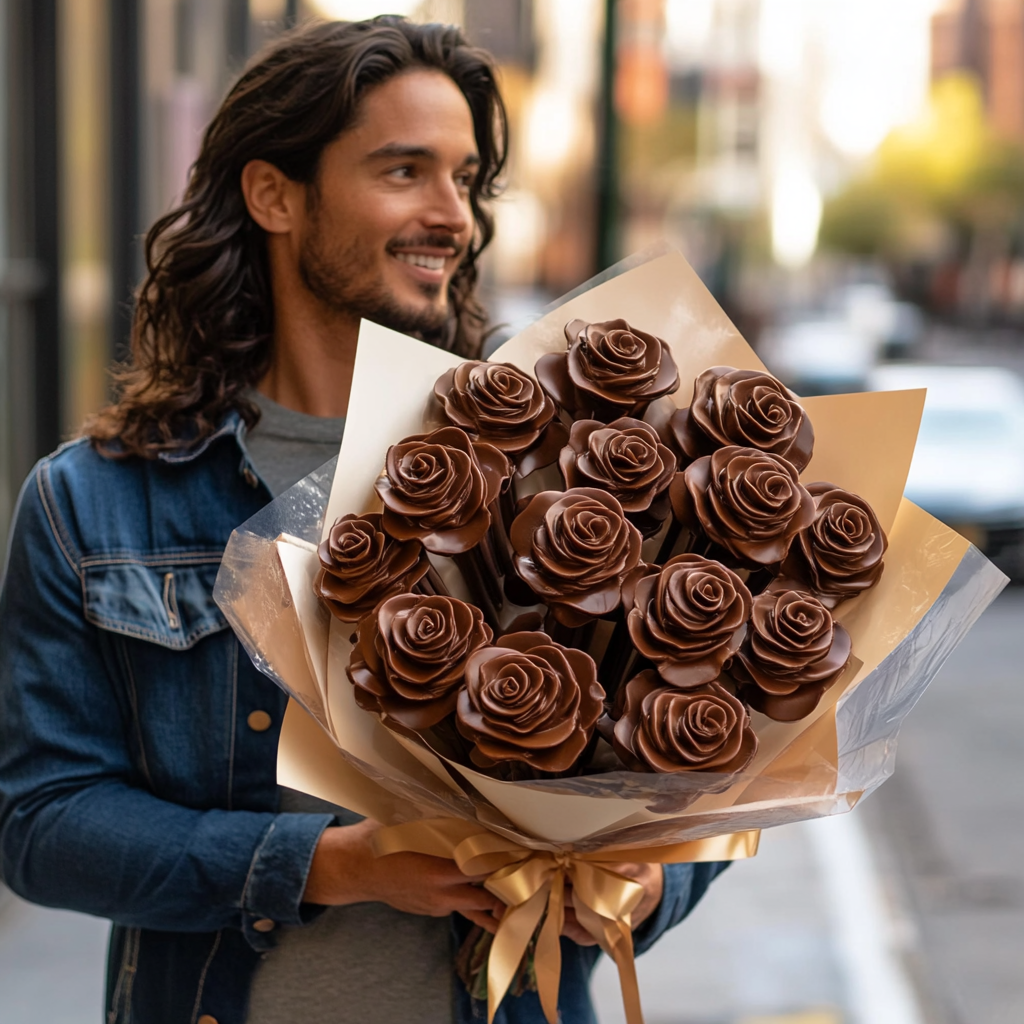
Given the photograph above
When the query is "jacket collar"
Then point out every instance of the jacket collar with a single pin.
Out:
(232, 423)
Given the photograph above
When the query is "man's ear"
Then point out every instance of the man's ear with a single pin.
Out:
(272, 198)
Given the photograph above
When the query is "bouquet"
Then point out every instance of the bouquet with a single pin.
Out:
(615, 594)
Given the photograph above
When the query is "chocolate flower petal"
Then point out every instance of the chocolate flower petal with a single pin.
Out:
(625, 458)
(751, 503)
(499, 404)
(748, 408)
(793, 652)
(662, 729)
(840, 554)
(573, 549)
(611, 369)
(410, 656)
(689, 619)
(529, 699)
(437, 488)
(362, 565)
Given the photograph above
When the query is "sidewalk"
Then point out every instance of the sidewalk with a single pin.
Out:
(801, 934)
(51, 964)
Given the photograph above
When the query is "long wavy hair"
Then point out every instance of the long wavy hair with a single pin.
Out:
(202, 328)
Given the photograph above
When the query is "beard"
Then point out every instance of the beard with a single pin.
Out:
(342, 279)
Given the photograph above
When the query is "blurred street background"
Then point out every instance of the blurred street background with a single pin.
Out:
(847, 177)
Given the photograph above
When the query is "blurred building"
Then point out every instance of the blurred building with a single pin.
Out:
(985, 38)
(715, 125)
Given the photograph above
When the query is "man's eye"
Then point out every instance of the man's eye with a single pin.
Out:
(405, 171)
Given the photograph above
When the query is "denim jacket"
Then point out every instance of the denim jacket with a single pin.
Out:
(132, 785)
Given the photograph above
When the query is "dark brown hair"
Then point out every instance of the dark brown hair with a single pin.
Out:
(202, 326)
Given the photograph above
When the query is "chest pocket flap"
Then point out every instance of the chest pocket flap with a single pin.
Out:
(172, 605)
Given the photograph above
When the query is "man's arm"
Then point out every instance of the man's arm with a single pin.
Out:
(74, 831)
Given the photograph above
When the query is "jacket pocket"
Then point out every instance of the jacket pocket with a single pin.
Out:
(169, 605)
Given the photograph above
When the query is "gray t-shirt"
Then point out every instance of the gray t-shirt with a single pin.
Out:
(361, 964)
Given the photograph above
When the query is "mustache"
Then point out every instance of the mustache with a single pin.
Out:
(429, 240)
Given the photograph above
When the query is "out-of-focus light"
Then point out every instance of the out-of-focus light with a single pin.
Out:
(795, 214)
(551, 129)
(876, 60)
(641, 85)
(856, 116)
(360, 10)
(781, 31)
(688, 28)
(450, 12)
(521, 229)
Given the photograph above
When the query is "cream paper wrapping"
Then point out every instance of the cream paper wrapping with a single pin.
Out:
(934, 587)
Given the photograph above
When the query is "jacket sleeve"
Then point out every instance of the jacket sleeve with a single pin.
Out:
(685, 884)
(74, 830)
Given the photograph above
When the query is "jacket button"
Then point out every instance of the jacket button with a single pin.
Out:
(259, 721)
(264, 924)
(206, 1019)
(250, 477)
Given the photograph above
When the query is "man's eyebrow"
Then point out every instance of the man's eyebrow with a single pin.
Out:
(396, 150)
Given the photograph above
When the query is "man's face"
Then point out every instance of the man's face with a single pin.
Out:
(388, 219)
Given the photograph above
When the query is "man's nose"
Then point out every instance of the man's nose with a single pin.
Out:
(449, 208)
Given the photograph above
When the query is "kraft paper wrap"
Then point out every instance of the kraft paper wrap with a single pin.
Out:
(934, 587)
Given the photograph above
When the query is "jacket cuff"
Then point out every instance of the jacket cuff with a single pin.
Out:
(277, 877)
(684, 885)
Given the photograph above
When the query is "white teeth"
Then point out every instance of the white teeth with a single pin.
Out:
(430, 262)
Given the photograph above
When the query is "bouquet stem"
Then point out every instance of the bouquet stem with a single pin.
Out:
(431, 585)
(479, 570)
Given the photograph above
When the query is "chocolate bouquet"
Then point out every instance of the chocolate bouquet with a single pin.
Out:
(615, 594)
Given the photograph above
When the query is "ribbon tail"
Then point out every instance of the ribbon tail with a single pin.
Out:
(547, 963)
(616, 939)
(626, 963)
(509, 945)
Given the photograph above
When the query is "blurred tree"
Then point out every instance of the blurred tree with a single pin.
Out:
(948, 175)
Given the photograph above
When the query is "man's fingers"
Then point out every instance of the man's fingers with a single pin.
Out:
(488, 923)
(473, 897)
(572, 929)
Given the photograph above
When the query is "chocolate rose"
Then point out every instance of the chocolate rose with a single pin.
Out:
(573, 548)
(529, 699)
(610, 370)
(437, 487)
(624, 458)
(410, 656)
(793, 652)
(689, 619)
(362, 565)
(749, 408)
(662, 729)
(750, 502)
(840, 554)
(499, 404)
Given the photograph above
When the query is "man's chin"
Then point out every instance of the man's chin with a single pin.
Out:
(410, 318)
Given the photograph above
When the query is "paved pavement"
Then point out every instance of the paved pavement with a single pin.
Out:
(51, 965)
(949, 826)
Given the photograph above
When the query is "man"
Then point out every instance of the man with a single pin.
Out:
(345, 176)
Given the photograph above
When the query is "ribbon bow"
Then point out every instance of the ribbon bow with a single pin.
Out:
(532, 884)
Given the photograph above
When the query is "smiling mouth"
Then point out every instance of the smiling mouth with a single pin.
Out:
(417, 260)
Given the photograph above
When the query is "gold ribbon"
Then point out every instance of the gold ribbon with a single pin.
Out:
(532, 884)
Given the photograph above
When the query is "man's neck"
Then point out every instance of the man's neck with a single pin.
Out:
(313, 355)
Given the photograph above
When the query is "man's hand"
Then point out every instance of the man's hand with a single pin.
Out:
(650, 876)
(345, 870)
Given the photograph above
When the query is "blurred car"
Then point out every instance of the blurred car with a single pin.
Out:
(819, 355)
(968, 467)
